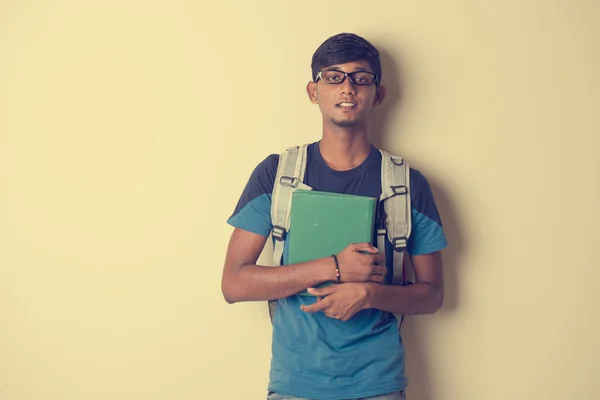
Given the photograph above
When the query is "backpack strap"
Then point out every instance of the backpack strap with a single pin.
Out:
(395, 187)
(289, 177)
(395, 196)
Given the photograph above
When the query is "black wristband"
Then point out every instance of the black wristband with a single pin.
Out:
(337, 269)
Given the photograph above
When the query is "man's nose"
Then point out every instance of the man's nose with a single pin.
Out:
(346, 87)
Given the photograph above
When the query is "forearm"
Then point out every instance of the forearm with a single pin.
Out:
(418, 298)
(261, 283)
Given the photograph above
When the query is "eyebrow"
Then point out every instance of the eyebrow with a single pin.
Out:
(337, 68)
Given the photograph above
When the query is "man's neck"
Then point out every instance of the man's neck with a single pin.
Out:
(344, 148)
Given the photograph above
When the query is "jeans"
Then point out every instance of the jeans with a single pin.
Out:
(390, 396)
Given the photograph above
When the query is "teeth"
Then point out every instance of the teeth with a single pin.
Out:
(347, 104)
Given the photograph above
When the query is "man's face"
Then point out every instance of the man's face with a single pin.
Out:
(345, 104)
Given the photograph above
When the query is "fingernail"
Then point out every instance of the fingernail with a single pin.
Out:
(310, 289)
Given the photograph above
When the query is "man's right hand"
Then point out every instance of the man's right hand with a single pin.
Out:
(356, 266)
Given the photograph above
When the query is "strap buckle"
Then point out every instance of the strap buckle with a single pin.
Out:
(400, 243)
(397, 160)
(400, 189)
(279, 232)
(289, 181)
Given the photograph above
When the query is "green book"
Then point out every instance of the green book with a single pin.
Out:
(322, 224)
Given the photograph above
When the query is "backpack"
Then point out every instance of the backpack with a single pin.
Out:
(393, 220)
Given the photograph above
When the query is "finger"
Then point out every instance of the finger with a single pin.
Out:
(380, 270)
(364, 247)
(318, 306)
(322, 291)
(376, 278)
(378, 258)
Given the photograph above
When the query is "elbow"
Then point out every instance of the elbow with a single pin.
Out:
(437, 301)
(229, 290)
(435, 307)
(229, 293)
(433, 301)
(229, 298)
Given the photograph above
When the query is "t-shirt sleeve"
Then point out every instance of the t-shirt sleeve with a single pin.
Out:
(427, 234)
(253, 210)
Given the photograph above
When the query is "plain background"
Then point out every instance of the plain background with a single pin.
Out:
(128, 130)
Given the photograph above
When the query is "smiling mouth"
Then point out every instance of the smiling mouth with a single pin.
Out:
(346, 105)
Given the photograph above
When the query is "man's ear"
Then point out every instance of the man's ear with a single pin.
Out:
(311, 89)
(379, 94)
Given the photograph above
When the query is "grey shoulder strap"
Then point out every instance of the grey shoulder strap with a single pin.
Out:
(395, 186)
(289, 177)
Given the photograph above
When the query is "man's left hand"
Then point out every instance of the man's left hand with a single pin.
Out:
(341, 301)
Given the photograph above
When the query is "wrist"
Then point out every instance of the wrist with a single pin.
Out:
(370, 294)
(327, 268)
(337, 269)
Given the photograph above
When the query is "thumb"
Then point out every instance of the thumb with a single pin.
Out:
(364, 247)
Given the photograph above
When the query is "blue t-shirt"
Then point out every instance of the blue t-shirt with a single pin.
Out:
(315, 356)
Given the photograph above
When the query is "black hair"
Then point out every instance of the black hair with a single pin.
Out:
(344, 48)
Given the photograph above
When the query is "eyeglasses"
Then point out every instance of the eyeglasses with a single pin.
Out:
(334, 77)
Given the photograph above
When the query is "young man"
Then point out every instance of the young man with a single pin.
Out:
(344, 342)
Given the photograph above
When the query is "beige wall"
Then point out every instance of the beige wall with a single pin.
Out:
(128, 129)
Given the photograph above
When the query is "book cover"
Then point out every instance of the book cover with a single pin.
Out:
(323, 223)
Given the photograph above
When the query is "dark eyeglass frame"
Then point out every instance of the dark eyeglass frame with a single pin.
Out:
(349, 75)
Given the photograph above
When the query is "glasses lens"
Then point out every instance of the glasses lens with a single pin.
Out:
(363, 78)
(332, 76)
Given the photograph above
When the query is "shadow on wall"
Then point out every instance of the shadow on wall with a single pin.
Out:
(393, 81)
(415, 329)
